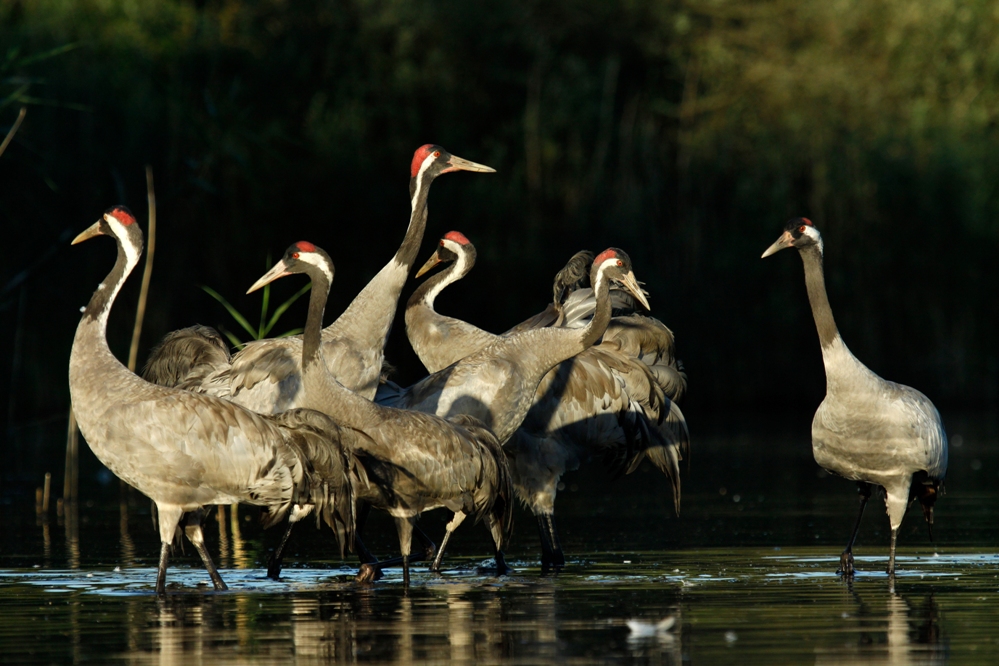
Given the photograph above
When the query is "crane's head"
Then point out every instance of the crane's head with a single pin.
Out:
(119, 223)
(453, 246)
(301, 257)
(431, 160)
(615, 264)
(799, 232)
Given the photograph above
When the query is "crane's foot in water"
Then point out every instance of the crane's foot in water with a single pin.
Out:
(846, 564)
(552, 559)
(501, 567)
(273, 568)
(552, 565)
(368, 573)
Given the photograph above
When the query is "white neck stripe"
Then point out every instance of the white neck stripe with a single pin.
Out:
(316, 260)
(419, 177)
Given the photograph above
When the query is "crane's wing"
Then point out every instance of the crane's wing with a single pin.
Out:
(185, 357)
(649, 340)
(607, 405)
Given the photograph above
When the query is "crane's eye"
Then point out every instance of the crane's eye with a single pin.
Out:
(437, 153)
(620, 263)
(442, 243)
(294, 255)
(801, 229)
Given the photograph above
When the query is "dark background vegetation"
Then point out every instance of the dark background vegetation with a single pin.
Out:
(684, 132)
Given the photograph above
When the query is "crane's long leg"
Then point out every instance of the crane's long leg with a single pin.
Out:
(169, 516)
(367, 557)
(846, 558)
(194, 534)
(496, 532)
(927, 496)
(891, 554)
(161, 572)
(405, 527)
(551, 550)
(276, 559)
(459, 517)
(372, 571)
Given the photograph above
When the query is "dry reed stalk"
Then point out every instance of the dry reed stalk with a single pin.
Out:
(147, 271)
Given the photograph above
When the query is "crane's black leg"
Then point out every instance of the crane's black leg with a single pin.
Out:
(846, 559)
(161, 572)
(459, 516)
(194, 534)
(552, 558)
(496, 533)
(926, 493)
(405, 528)
(277, 557)
(169, 518)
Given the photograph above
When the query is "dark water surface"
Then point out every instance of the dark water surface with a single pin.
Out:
(745, 575)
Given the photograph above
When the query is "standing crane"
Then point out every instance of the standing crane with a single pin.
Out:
(872, 431)
(185, 450)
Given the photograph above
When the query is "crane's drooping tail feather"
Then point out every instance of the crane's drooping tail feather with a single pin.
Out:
(325, 482)
(498, 503)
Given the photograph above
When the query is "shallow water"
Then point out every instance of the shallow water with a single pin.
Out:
(746, 575)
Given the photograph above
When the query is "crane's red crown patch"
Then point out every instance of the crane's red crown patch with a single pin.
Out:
(419, 156)
(305, 246)
(609, 253)
(457, 237)
(122, 214)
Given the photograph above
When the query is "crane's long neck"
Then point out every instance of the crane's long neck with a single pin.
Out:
(322, 391)
(815, 282)
(427, 293)
(95, 374)
(419, 191)
(312, 335)
(845, 374)
(100, 303)
(554, 345)
(367, 321)
(602, 313)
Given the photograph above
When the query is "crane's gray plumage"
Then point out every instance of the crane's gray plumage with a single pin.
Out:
(266, 375)
(613, 402)
(415, 461)
(441, 340)
(867, 429)
(185, 450)
(186, 357)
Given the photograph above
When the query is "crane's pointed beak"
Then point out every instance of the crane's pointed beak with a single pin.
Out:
(785, 241)
(431, 262)
(631, 284)
(458, 164)
(279, 270)
(91, 231)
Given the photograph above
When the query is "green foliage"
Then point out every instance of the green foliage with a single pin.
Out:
(263, 329)
(15, 86)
